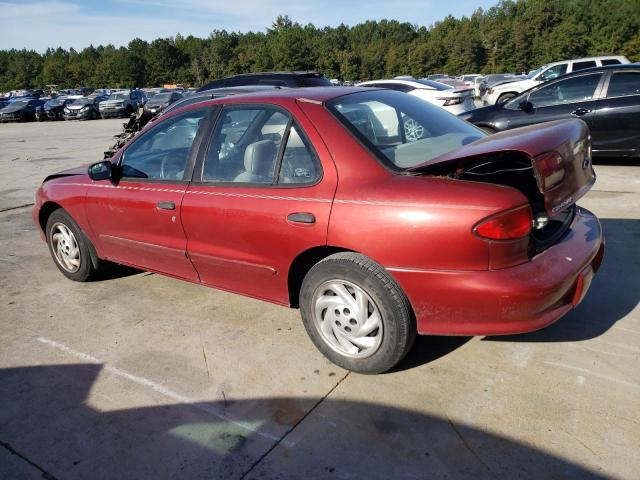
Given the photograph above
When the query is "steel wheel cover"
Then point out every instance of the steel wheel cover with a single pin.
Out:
(347, 319)
(65, 247)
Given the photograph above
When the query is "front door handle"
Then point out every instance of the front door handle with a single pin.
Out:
(300, 217)
(166, 206)
(580, 112)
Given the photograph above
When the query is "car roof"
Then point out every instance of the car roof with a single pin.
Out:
(318, 95)
(586, 59)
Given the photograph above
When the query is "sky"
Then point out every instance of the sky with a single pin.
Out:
(39, 24)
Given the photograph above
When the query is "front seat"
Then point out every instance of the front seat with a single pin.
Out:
(259, 161)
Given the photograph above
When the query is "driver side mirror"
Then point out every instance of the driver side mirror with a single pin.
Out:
(526, 106)
(101, 170)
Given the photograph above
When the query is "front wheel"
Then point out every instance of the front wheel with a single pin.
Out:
(356, 314)
(505, 97)
(69, 247)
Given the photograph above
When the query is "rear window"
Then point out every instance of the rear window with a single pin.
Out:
(313, 81)
(583, 65)
(610, 61)
(623, 84)
(401, 130)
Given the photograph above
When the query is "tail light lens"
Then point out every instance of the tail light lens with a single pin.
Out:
(508, 225)
(550, 170)
(448, 101)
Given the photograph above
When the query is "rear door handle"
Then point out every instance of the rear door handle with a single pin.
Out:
(580, 112)
(166, 206)
(300, 217)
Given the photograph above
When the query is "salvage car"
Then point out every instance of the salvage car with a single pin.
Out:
(20, 110)
(318, 199)
(606, 98)
(122, 103)
(85, 108)
(52, 108)
(160, 101)
(454, 100)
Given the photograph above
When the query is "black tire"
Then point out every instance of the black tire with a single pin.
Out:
(398, 321)
(86, 270)
(505, 97)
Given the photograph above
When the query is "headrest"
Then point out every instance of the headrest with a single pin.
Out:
(260, 156)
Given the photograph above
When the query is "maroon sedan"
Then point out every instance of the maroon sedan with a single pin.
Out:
(378, 215)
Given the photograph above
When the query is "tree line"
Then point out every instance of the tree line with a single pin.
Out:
(513, 36)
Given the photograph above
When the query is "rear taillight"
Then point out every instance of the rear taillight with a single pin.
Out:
(550, 170)
(508, 225)
(448, 101)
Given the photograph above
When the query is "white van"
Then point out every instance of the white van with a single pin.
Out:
(507, 91)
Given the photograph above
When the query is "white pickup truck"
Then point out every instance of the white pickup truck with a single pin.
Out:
(507, 91)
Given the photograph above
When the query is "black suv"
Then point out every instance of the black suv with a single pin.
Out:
(277, 79)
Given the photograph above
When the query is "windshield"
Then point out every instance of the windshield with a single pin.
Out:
(535, 72)
(161, 97)
(402, 130)
(55, 102)
(82, 101)
(119, 96)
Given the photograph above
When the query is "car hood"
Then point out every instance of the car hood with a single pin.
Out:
(13, 108)
(157, 105)
(482, 113)
(518, 85)
(83, 170)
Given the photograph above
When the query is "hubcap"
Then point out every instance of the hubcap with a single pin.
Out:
(347, 318)
(65, 247)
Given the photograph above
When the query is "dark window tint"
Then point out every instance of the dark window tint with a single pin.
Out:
(571, 90)
(623, 84)
(396, 86)
(272, 82)
(582, 65)
(299, 162)
(610, 61)
(162, 152)
(245, 145)
(313, 81)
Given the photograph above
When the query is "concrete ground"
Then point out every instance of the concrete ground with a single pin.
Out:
(142, 376)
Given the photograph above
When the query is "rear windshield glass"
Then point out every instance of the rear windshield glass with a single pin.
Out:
(432, 84)
(313, 81)
(403, 131)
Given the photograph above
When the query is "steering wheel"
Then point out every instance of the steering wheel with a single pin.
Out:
(171, 167)
(413, 131)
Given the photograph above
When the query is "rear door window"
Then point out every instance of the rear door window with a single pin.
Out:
(610, 61)
(623, 84)
(582, 65)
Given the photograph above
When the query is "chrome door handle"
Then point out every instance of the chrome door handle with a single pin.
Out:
(300, 217)
(580, 112)
(166, 206)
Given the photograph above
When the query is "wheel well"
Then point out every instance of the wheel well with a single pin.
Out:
(302, 264)
(47, 209)
(515, 94)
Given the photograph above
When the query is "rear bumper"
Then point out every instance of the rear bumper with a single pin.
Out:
(519, 299)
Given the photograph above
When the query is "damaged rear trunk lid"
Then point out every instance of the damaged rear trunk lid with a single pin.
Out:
(556, 154)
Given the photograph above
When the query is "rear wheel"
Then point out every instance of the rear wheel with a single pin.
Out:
(356, 314)
(69, 247)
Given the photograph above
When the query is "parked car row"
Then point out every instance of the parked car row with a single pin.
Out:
(607, 98)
